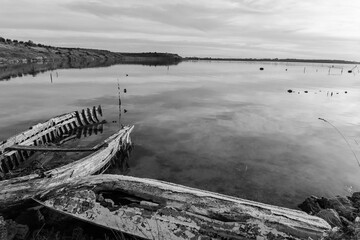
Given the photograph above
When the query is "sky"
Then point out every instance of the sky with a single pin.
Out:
(312, 29)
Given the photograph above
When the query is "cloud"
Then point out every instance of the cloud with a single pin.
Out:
(203, 16)
(226, 28)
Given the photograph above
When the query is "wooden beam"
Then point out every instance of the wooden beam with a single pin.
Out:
(54, 149)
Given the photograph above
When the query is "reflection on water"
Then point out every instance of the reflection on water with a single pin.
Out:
(222, 126)
(78, 134)
(120, 163)
(18, 70)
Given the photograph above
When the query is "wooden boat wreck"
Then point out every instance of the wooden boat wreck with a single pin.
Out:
(146, 208)
(13, 151)
(17, 150)
(153, 209)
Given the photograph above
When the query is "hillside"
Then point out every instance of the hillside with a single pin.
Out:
(18, 52)
(18, 58)
(15, 52)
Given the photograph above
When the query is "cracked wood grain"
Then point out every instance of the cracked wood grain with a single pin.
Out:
(171, 211)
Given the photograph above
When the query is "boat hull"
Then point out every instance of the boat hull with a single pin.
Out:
(16, 190)
(43, 133)
(154, 209)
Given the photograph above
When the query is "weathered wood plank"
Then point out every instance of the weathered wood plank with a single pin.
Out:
(34, 130)
(89, 116)
(74, 124)
(80, 119)
(83, 114)
(99, 111)
(17, 190)
(41, 135)
(94, 114)
(154, 209)
(65, 128)
(54, 149)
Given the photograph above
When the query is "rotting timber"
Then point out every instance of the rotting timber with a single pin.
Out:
(153, 209)
(145, 208)
(16, 190)
(44, 133)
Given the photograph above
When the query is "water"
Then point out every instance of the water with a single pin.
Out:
(221, 126)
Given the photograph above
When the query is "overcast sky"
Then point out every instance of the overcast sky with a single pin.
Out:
(220, 28)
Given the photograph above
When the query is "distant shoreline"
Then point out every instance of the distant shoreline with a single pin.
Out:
(18, 58)
(19, 52)
(289, 60)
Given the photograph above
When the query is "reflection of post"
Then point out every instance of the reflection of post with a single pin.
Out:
(51, 77)
(119, 104)
(120, 163)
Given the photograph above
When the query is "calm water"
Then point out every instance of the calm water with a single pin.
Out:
(221, 126)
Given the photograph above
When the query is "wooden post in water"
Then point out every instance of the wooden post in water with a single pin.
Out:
(119, 103)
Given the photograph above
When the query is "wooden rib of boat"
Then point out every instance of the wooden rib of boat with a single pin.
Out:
(16, 190)
(43, 133)
(153, 209)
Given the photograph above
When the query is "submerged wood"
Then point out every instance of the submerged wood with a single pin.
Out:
(54, 149)
(79, 133)
(154, 209)
(39, 134)
(17, 190)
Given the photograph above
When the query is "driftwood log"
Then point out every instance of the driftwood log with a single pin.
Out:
(17, 190)
(154, 209)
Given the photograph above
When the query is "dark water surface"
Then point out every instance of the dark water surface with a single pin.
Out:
(222, 126)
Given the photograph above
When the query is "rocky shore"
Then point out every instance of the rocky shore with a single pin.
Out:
(342, 213)
(38, 223)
